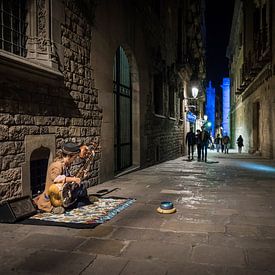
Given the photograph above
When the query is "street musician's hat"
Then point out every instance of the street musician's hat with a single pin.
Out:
(70, 148)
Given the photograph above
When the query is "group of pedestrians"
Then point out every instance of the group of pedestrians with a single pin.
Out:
(202, 139)
(222, 143)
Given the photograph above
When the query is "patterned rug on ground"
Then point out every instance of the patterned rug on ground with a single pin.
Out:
(88, 216)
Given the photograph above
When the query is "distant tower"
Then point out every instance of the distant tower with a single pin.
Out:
(210, 109)
(226, 105)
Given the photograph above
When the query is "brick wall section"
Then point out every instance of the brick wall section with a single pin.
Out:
(69, 109)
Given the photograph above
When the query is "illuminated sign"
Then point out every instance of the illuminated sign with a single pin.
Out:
(191, 117)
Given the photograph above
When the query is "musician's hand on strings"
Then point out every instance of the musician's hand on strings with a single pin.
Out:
(60, 179)
(85, 172)
(84, 151)
(77, 180)
(72, 179)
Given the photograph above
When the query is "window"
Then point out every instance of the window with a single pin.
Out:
(158, 94)
(181, 108)
(13, 26)
(171, 101)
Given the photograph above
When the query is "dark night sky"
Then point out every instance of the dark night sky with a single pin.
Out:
(218, 19)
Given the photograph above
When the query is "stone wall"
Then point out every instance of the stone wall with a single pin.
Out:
(163, 145)
(35, 100)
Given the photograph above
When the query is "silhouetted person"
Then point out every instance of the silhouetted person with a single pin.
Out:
(225, 141)
(218, 142)
(205, 137)
(190, 140)
(240, 143)
(199, 144)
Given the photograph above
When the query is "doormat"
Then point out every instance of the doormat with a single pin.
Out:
(88, 216)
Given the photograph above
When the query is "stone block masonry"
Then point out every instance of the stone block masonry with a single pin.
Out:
(66, 107)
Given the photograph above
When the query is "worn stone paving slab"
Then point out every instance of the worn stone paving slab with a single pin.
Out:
(11, 256)
(242, 230)
(261, 259)
(218, 255)
(156, 235)
(55, 262)
(197, 269)
(104, 265)
(102, 231)
(245, 271)
(190, 227)
(144, 268)
(48, 230)
(100, 246)
(217, 239)
(267, 232)
(10, 239)
(158, 250)
(45, 241)
(139, 222)
(239, 219)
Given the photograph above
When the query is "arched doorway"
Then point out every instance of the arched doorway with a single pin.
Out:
(122, 92)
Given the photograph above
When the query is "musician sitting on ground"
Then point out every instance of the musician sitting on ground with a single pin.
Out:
(87, 153)
(80, 161)
(58, 172)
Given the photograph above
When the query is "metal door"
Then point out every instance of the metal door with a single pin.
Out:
(122, 112)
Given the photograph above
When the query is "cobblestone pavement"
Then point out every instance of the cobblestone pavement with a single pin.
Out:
(224, 224)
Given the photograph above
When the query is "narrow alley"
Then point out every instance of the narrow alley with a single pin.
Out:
(224, 224)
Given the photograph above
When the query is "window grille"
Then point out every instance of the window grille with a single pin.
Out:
(13, 26)
(38, 170)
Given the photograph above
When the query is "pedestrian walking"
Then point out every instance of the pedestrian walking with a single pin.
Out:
(205, 137)
(240, 143)
(199, 144)
(226, 143)
(190, 141)
(218, 142)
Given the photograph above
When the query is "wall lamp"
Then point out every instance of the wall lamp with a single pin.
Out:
(195, 92)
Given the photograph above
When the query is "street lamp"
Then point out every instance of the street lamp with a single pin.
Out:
(195, 92)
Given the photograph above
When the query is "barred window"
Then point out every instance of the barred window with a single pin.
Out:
(13, 26)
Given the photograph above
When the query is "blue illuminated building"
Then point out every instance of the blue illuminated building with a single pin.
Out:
(210, 108)
(226, 106)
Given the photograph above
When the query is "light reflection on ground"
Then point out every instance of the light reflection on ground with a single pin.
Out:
(257, 167)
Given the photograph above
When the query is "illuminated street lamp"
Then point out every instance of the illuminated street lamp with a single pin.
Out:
(195, 92)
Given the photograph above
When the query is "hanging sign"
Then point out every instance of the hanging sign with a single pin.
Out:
(190, 117)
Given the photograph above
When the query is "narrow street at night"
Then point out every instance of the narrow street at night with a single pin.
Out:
(224, 224)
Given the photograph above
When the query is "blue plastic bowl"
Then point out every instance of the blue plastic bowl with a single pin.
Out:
(166, 205)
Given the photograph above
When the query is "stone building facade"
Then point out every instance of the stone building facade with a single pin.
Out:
(111, 72)
(251, 52)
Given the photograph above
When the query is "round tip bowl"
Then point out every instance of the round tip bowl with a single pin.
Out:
(166, 207)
